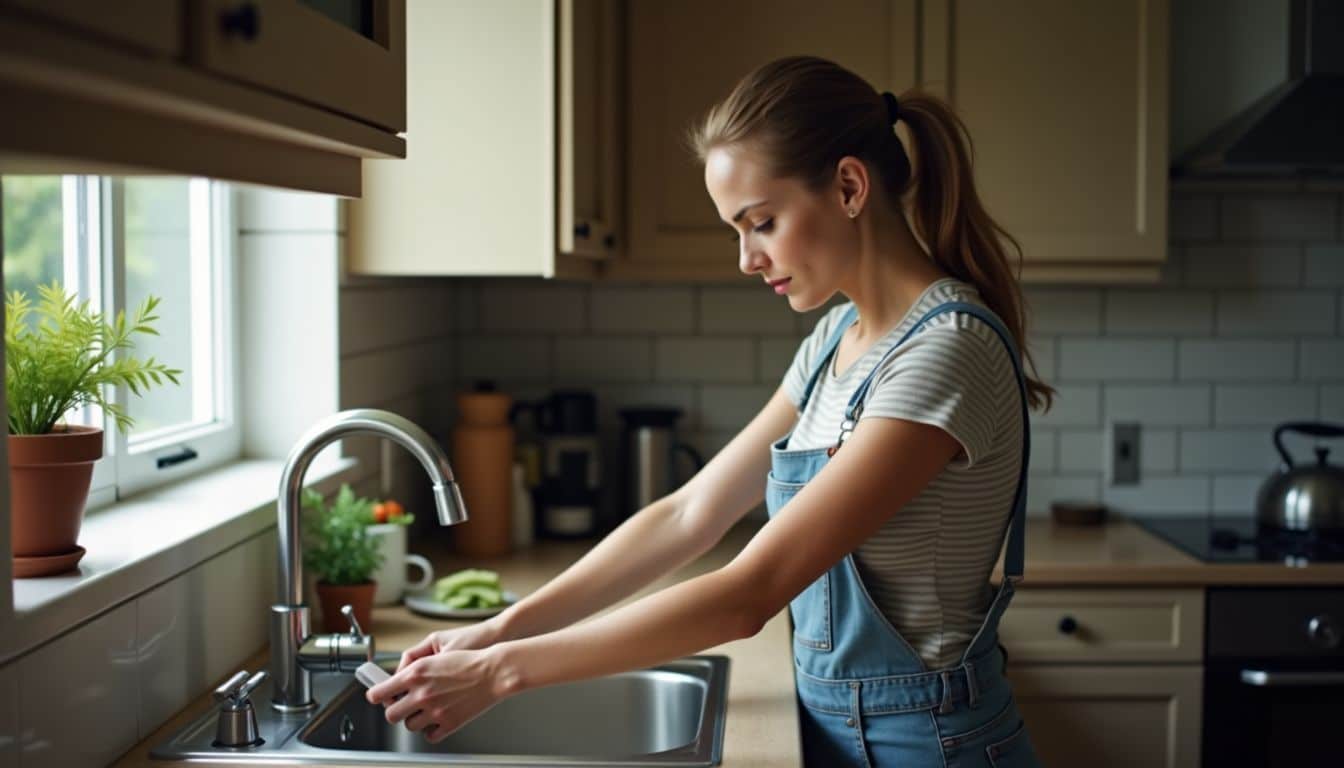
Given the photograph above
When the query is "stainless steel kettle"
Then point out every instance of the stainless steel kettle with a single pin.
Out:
(650, 447)
(1300, 497)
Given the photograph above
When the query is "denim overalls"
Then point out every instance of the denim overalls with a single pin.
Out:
(867, 698)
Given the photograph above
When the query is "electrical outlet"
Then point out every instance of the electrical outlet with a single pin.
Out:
(1125, 453)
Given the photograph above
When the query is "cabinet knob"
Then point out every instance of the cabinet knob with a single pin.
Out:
(1068, 625)
(1321, 630)
(583, 230)
(243, 21)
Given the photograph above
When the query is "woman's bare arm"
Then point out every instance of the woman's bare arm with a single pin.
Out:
(661, 537)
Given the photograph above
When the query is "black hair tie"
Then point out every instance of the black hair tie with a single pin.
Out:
(893, 107)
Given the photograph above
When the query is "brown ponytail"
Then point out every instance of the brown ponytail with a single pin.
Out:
(801, 115)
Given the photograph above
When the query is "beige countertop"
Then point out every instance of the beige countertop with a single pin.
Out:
(762, 724)
(1122, 554)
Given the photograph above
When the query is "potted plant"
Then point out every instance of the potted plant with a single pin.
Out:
(342, 555)
(59, 355)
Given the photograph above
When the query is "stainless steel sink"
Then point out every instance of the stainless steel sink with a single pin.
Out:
(670, 715)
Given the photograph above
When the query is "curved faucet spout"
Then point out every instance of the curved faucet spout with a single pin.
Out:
(447, 496)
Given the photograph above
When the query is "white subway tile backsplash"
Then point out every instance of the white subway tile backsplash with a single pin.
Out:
(1063, 311)
(1081, 450)
(169, 652)
(1076, 405)
(1235, 494)
(1159, 312)
(685, 359)
(1322, 360)
(1192, 217)
(738, 311)
(1157, 450)
(731, 407)
(504, 357)
(1167, 405)
(1324, 265)
(392, 372)
(1266, 313)
(532, 305)
(1278, 217)
(1116, 359)
(1243, 265)
(1157, 495)
(1044, 454)
(643, 310)
(776, 355)
(9, 714)
(372, 318)
(1246, 360)
(1332, 403)
(84, 680)
(1227, 450)
(1044, 489)
(602, 359)
(1236, 405)
(239, 586)
(1044, 352)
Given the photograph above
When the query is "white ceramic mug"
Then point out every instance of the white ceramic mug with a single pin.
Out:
(391, 576)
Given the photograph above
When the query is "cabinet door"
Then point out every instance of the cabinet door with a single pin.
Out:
(587, 128)
(346, 56)
(684, 56)
(476, 192)
(1066, 104)
(1111, 716)
(153, 26)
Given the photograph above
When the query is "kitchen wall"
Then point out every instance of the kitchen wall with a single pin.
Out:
(1245, 330)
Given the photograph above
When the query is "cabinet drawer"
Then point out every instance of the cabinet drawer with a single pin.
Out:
(1104, 625)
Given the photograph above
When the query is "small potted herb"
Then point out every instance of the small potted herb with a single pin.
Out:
(59, 356)
(342, 555)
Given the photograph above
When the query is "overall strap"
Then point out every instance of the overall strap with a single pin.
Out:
(1014, 558)
(824, 354)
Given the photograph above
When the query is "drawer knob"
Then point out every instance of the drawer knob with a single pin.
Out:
(1068, 625)
(242, 21)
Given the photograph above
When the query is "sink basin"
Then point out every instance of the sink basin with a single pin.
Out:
(670, 715)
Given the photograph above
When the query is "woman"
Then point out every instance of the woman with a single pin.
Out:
(883, 550)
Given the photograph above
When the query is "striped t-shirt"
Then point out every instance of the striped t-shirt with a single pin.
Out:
(928, 567)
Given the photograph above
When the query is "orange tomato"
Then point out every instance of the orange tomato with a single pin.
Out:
(380, 513)
(394, 509)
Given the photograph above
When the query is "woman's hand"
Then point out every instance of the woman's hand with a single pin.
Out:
(441, 692)
(469, 638)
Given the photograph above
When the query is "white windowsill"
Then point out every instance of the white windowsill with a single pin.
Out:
(141, 542)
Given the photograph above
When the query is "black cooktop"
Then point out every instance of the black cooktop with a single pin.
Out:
(1241, 540)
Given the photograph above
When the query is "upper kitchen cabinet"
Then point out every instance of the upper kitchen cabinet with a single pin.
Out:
(1066, 104)
(687, 55)
(513, 164)
(286, 93)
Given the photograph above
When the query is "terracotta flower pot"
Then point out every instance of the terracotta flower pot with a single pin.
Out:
(48, 487)
(332, 596)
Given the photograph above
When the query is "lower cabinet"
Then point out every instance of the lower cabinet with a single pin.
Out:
(1108, 716)
(1108, 677)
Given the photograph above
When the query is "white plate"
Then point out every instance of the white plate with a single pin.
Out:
(424, 602)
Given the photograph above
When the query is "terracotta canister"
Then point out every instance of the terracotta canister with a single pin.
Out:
(482, 456)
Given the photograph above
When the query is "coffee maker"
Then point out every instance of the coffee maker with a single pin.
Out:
(570, 469)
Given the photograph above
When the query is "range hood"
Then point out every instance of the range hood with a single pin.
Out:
(1297, 128)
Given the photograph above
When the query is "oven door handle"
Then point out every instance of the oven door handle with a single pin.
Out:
(1262, 678)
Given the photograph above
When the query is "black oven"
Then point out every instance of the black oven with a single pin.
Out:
(1274, 677)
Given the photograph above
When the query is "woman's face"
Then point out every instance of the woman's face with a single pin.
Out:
(785, 232)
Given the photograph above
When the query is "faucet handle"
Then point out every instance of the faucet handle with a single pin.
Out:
(236, 689)
(349, 612)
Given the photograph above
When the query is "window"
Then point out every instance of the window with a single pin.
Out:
(115, 241)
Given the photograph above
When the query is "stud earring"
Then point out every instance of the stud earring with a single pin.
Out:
(853, 213)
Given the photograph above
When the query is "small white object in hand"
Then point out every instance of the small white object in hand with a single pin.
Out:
(371, 674)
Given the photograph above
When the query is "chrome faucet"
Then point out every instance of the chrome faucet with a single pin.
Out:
(295, 654)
